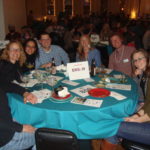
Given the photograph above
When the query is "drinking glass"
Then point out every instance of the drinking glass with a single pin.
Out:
(41, 77)
(48, 69)
(52, 81)
(25, 79)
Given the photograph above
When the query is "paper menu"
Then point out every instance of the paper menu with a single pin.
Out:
(89, 80)
(87, 102)
(83, 91)
(56, 77)
(70, 82)
(31, 83)
(119, 86)
(117, 95)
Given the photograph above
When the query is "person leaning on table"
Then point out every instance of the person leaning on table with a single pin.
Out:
(85, 52)
(120, 59)
(47, 52)
(13, 135)
(136, 127)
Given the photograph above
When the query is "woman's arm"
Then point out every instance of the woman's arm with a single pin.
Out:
(14, 88)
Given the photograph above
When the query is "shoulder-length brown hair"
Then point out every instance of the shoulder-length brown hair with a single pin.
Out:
(147, 57)
(5, 55)
(80, 49)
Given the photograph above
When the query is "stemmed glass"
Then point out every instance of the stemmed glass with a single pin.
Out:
(40, 77)
(25, 79)
(52, 81)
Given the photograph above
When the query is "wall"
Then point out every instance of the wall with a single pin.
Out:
(2, 24)
(113, 6)
(14, 13)
(37, 6)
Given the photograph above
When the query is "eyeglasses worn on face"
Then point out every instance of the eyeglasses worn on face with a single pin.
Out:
(139, 59)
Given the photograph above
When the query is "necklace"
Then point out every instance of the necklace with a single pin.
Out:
(121, 56)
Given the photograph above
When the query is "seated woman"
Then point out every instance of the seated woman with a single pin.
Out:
(87, 52)
(31, 51)
(136, 127)
(13, 135)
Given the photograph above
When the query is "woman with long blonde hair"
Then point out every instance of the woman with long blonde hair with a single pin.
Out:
(11, 131)
(85, 52)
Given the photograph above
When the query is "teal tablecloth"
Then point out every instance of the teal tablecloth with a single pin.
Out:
(86, 122)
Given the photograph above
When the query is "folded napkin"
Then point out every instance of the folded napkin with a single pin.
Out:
(42, 95)
(61, 68)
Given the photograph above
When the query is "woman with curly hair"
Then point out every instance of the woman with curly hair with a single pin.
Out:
(13, 134)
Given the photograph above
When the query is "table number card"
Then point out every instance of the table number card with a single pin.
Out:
(78, 70)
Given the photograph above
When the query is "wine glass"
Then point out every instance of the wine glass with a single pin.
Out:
(25, 79)
(41, 77)
(52, 81)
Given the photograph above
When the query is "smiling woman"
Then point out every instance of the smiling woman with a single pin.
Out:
(12, 132)
(14, 52)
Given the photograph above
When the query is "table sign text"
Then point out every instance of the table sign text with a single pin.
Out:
(78, 70)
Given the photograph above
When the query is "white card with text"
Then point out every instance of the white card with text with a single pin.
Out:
(78, 70)
(83, 91)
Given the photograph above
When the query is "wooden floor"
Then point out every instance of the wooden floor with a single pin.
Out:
(96, 145)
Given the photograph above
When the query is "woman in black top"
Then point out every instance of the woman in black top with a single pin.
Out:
(13, 135)
(31, 52)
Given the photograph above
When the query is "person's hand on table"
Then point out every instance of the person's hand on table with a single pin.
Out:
(29, 97)
(46, 65)
(28, 128)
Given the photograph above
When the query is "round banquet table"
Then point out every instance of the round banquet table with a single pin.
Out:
(85, 121)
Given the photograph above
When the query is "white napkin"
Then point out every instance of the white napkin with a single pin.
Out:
(61, 68)
(42, 95)
(108, 71)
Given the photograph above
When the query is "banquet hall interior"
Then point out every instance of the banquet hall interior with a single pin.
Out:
(112, 36)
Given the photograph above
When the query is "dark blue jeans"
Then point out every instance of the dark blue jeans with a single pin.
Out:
(138, 132)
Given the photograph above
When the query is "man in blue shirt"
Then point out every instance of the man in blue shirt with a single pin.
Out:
(47, 52)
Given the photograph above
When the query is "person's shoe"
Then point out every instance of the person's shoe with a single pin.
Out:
(105, 145)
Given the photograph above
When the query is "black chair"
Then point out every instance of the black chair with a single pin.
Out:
(55, 139)
(130, 145)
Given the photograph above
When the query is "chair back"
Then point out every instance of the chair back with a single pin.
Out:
(55, 139)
